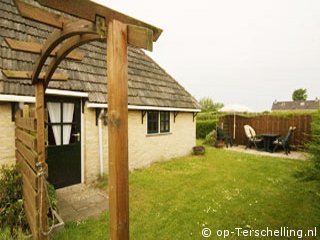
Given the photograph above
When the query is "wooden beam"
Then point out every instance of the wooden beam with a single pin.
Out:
(117, 72)
(140, 37)
(34, 47)
(57, 37)
(89, 10)
(11, 74)
(38, 14)
(40, 115)
(65, 48)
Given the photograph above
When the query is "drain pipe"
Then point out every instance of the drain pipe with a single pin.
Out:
(101, 141)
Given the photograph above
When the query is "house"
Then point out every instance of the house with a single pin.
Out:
(161, 112)
(308, 105)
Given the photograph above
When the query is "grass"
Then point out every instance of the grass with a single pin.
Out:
(221, 190)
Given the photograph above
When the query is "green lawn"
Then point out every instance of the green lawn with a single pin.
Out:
(221, 190)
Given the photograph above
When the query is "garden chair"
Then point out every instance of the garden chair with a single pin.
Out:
(221, 135)
(253, 139)
(284, 142)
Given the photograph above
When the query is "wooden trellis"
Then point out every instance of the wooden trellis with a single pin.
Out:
(28, 163)
(98, 24)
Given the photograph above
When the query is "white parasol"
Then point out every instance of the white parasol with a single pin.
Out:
(235, 108)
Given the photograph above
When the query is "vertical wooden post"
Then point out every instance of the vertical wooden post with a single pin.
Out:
(42, 199)
(117, 74)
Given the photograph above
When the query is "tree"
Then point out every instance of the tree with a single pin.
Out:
(299, 94)
(208, 105)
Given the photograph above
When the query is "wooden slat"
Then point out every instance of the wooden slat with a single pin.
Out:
(40, 15)
(32, 221)
(32, 196)
(26, 138)
(30, 156)
(34, 47)
(117, 71)
(25, 111)
(28, 75)
(29, 124)
(30, 199)
(25, 168)
(140, 37)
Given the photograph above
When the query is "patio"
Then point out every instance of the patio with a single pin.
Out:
(80, 202)
(297, 155)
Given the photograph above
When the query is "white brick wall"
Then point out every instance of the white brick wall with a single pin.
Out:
(7, 139)
(144, 149)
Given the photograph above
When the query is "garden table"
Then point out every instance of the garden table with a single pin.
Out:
(268, 138)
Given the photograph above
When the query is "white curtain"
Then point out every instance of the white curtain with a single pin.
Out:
(55, 117)
(68, 109)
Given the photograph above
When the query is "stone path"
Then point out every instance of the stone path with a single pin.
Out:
(293, 155)
(80, 202)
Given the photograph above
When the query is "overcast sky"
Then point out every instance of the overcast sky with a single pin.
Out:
(236, 51)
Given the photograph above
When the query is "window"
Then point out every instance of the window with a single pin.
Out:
(158, 121)
(153, 122)
(62, 128)
(164, 121)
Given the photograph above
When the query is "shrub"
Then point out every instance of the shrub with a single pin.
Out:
(13, 222)
(203, 128)
(211, 138)
(207, 116)
(12, 213)
(5, 234)
(314, 145)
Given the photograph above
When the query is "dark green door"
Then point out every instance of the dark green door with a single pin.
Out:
(64, 141)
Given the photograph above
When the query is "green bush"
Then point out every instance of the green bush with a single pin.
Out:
(211, 138)
(314, 145)
(12, 215)
(207, 116)
(203, 128)
(13, 222)
(5, 234)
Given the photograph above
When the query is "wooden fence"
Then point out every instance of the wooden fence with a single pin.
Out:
(27, 158)
(269, 124)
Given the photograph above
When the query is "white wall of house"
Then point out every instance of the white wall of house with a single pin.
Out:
(144, 148)
(7, 132)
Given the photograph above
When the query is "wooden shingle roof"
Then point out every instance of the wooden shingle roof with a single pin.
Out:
(149, 84)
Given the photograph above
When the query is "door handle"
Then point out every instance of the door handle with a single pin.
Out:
(77, 135)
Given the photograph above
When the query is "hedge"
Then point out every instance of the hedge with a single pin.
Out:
(205, 127)
(314, 145)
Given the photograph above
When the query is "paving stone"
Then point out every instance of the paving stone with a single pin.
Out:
(81, 202)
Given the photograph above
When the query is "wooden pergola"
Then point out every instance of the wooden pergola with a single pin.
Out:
(97, 23)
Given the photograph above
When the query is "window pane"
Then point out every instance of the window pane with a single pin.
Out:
(164, 121)
(54, 131)
(153, 121)
(68, 110)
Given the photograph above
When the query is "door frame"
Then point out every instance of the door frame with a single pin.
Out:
(80, 97)
(82, 132)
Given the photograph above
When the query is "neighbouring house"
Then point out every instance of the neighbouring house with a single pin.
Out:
(308, 105)
(161, 112)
